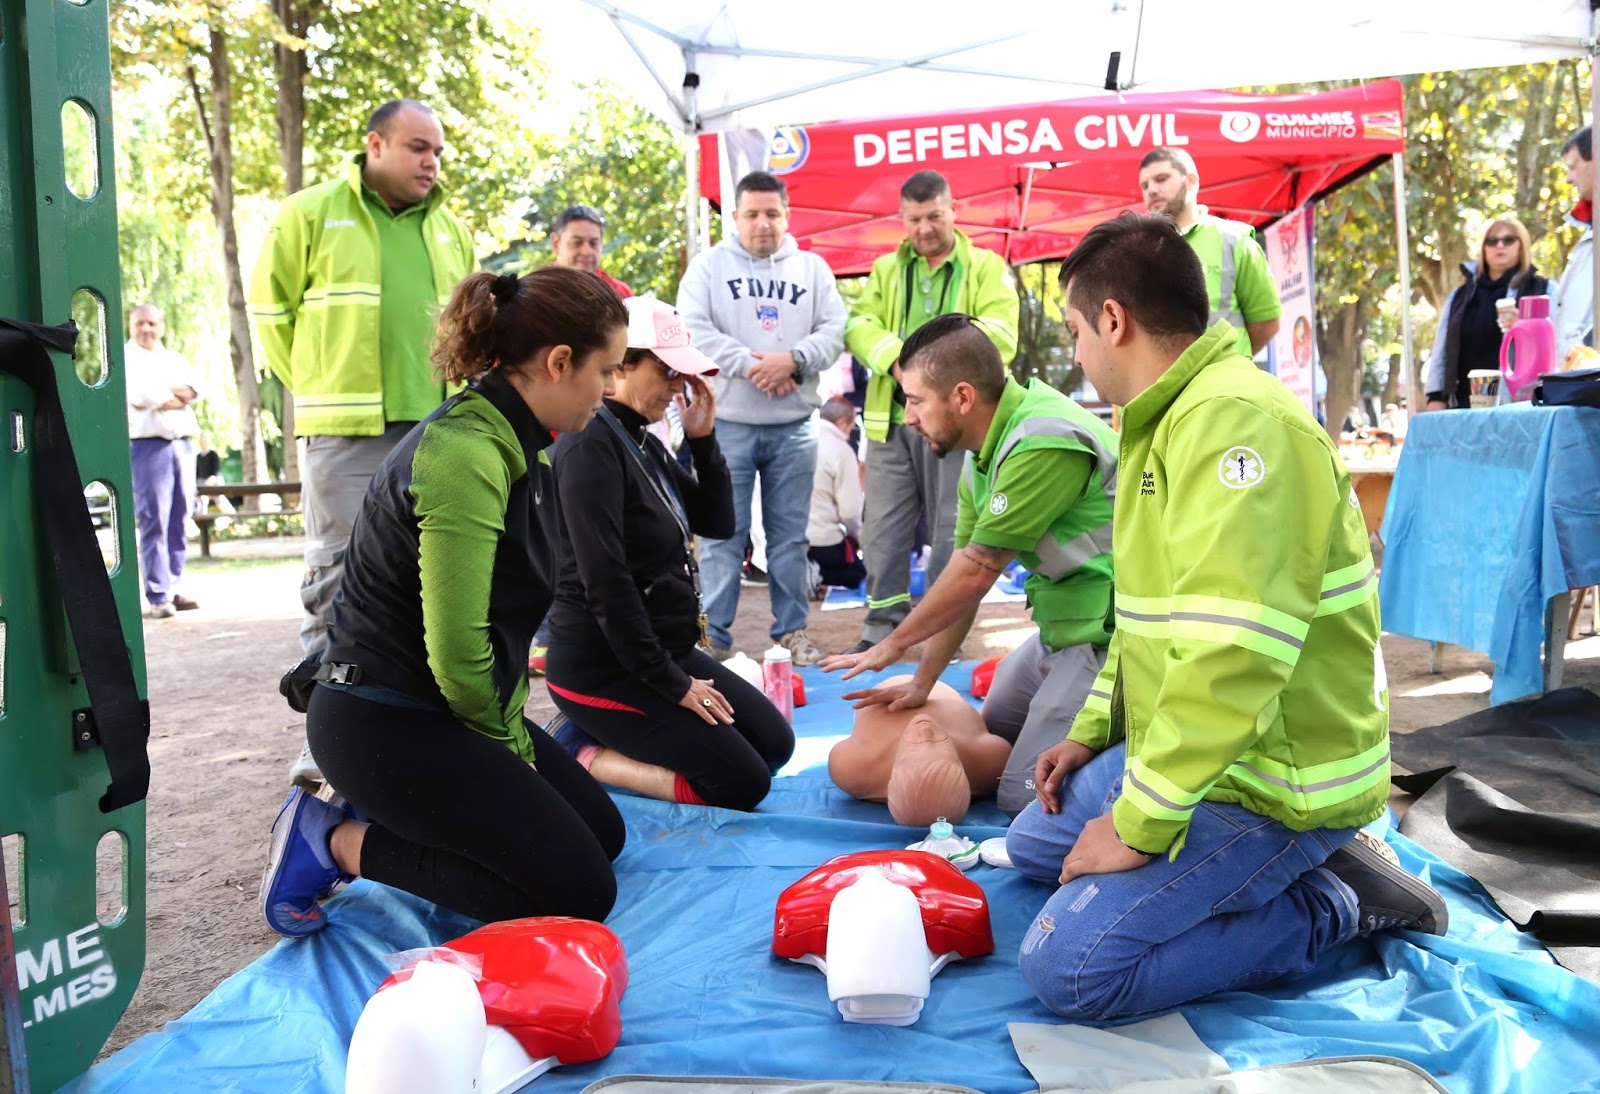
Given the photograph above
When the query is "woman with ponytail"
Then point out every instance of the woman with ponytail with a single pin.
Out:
(445, 789)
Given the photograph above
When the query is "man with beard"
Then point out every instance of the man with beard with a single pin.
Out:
(1237, 278)
(1040, 487)
(935, 271)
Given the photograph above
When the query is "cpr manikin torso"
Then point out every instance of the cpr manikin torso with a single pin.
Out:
(927, 763)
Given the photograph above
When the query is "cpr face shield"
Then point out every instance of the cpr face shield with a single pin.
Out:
(880, 925)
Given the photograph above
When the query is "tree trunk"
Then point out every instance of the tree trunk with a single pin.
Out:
(291, 65)
(219, 142)
(1391, 384)
(1339, 340)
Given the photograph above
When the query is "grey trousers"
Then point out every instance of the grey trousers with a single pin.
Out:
(905, 482)
(1036, 694)
(335, 473)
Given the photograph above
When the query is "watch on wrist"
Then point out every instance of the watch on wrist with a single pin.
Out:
(1131, 847)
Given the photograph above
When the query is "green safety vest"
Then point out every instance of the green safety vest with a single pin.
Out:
(1245, 666)
(1215, 242)
(315, 299)
(1069, 570)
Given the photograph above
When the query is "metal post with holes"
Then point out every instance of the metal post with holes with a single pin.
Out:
(70, 957)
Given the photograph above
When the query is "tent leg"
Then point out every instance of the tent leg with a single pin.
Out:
(691, 196)
(1403, 249)
(691, 159)
(1594, 113)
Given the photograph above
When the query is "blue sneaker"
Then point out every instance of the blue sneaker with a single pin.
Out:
(568, 734)
(300, 867)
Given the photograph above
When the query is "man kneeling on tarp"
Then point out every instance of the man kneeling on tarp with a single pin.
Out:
(1203, 830)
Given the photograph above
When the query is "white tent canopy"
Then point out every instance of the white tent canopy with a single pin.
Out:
(759, 64)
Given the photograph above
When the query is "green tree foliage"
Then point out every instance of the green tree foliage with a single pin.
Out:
(224, 132)
(627, 163)
(1480, 144)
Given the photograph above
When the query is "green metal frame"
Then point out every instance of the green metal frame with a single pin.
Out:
(72, 974)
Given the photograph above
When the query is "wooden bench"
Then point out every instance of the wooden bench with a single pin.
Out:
(243, 490)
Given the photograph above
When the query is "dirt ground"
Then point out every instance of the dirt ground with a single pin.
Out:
(222, 740)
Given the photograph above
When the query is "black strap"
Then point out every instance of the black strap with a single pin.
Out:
(121, 719)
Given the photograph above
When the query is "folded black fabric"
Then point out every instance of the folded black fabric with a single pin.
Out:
(1511, 796)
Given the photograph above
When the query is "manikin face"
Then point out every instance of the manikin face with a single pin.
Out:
(403, 164)
(761, 219)
(936, 417)
(930, 225)
(1166, 189)
(578, 245)
(146, 327)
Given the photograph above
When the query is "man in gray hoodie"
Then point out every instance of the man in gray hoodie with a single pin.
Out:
(770, 316)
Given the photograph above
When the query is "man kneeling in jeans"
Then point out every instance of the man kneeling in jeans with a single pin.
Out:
(1202, 825)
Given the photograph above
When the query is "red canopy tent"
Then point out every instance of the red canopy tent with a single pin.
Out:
(1030, 180)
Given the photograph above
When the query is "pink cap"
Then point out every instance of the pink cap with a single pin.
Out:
(657, 327)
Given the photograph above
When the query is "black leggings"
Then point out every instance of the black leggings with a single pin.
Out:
(727, 766)
(460, 819)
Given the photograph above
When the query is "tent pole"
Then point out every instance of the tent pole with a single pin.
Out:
(1403, 249)
(1594, 113)
(691, 158)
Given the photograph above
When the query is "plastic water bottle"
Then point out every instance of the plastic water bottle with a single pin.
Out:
(777, 674)
(943, 841)
(744, 668)
(1529, 347)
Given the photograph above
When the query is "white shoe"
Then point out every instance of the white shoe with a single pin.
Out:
(305, 773)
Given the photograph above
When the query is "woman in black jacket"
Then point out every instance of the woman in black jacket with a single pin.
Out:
(1470, 330)
(650, 710)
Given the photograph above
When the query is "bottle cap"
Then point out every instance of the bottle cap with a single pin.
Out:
(779, 653)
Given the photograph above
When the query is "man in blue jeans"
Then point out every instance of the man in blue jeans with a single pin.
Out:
(1202, 816)
(770, 316)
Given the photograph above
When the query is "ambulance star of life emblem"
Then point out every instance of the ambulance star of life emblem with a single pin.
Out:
(1241, 467)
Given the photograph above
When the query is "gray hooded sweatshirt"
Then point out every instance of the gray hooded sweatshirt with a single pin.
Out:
(733, 303)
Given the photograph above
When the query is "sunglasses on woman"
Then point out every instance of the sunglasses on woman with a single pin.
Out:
(1499, 241)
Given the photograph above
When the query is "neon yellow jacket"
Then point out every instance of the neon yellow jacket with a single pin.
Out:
(1245, 667)
(314, 300)
(879, 322)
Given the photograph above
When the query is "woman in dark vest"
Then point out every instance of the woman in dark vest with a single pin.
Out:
(448, 791)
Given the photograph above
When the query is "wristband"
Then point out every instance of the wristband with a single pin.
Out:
(1131, 847)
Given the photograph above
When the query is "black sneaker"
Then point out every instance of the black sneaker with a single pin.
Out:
(1390, 898)
(860, 647)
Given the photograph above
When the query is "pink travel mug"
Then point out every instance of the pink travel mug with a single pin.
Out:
(777, 675)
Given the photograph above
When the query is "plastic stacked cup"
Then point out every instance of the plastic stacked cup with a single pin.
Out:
(1484, 384)
(777, 675)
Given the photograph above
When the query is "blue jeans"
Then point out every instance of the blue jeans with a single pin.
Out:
(1245, 902)
(785, 456)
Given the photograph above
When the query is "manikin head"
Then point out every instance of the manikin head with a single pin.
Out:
(927, 780)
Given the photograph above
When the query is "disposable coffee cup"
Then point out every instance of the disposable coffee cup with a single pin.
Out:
(1484, 385)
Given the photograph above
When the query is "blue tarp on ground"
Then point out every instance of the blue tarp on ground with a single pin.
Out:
(1483, 1009)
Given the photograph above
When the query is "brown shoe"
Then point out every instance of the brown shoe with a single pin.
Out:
(184, 604)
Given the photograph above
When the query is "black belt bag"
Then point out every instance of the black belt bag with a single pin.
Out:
(296, 684)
